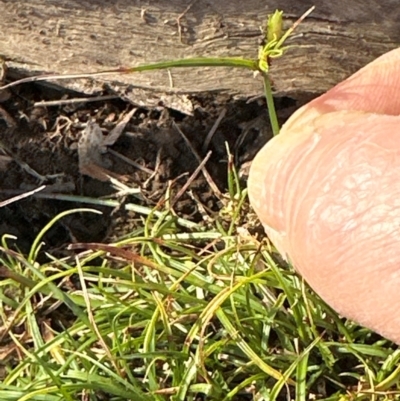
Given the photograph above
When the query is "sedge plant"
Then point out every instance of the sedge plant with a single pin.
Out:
(272, 46)
(176, 310)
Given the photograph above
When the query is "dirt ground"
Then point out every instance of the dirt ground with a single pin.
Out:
(40, 146)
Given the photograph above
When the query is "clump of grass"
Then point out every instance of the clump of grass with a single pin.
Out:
(183, 313)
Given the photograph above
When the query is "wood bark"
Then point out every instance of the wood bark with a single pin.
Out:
(67, 36)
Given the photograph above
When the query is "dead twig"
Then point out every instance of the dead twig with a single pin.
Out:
(206, 174)
(63, 102)
(156, 168)
(130, 162)
(190, 179)
(22, 196)
(213, 129)
(27, 168)
(180, 16)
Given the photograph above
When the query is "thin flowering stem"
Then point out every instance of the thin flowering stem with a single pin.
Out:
(272, 47)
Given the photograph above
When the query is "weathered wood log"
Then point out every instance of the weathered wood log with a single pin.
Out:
(60, 36)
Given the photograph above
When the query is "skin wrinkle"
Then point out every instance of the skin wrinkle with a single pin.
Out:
(342, 280)
(294, 188)
(329, 214)
(348, 249)
(362, 308)
(354, 179)
(278, 195)
(278, 198)
(354, 241)
(314, 171)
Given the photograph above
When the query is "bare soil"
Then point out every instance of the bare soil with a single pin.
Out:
(45, 138)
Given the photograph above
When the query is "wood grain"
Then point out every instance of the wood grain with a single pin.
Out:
(59, 36)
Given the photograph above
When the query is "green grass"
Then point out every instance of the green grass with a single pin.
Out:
(180, 311)
(177, 310)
